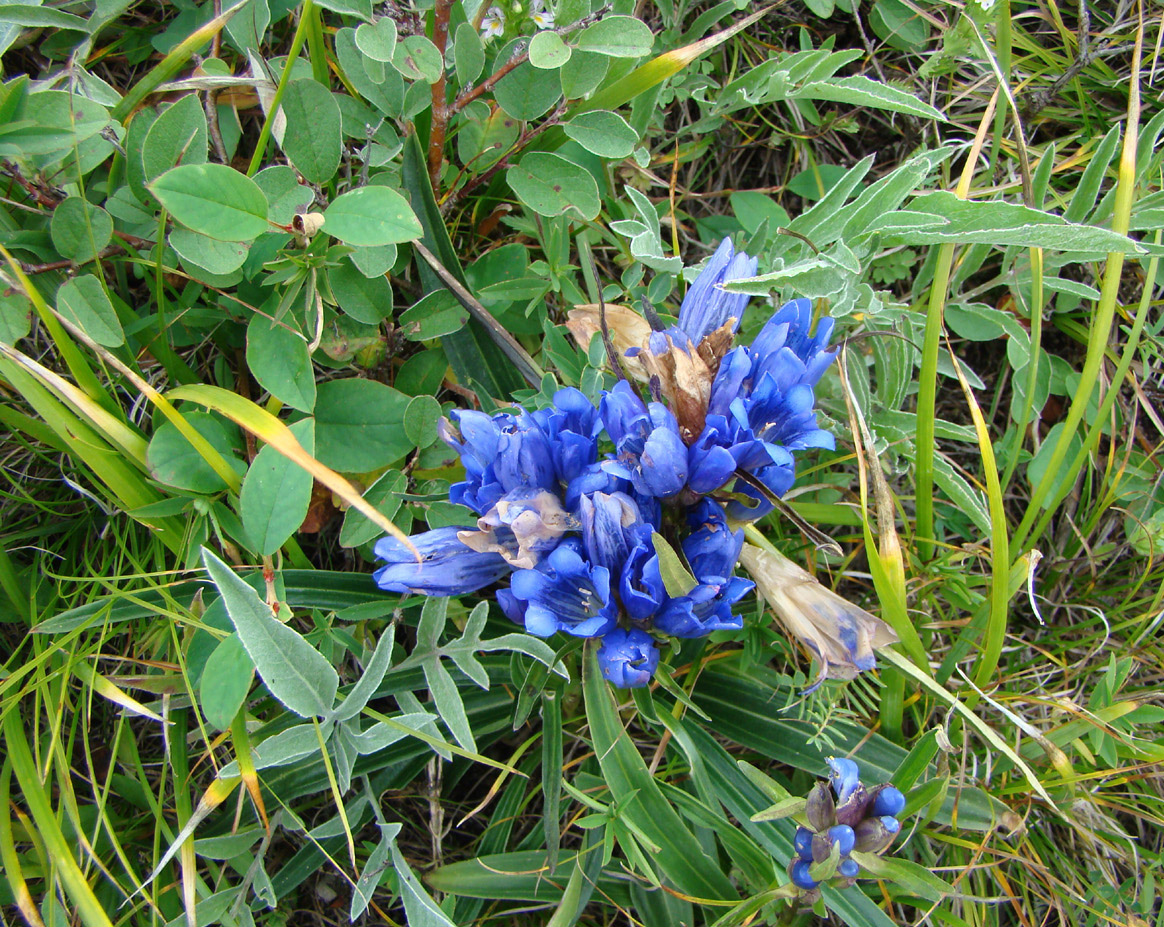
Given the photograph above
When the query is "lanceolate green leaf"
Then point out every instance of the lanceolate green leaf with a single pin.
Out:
(296, 673)
(680, 857)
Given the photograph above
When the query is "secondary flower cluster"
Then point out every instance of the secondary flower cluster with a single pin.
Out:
(846, 818)
(619, 520)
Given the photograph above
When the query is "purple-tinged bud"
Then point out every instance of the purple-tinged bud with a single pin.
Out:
(887, 800)
(843, 837)
(874, 835)
(800, 877)
(803, 842)
(821, 808)
(854, 809)
(848, 869)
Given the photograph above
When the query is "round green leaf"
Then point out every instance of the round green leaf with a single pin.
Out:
(525, 93)
(377, 40)
(420, 420)
(547, 51)
(384, 496)
(417, 59)
(218, 257)
(374, 262)
(468, 54)
(286, 196)
(434, 316)
(550, 186)
(422, 373)
(371, 216)
(178, 136)
(603, 133)
(80, 230)
(84, 302)
(276, 493)
(15, 317)
(213, 199)
(312, 139)
(226, 680)
(279, 360)
(359, 425)
(617, 37)
(582, 74)
(365, 299)
(172, 459)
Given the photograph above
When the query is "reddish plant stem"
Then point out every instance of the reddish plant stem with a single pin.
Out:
(526, 137)
(440, 108)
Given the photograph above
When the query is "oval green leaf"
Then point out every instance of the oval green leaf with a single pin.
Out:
(279, 360)
(547, 51)
(603, 133)
(213, 199)
(276, 493)
(83, 302)
(226, 680)
(371, 216)
(617, 37)
(80, 230)
(312, 140)
(359, 425)
(550, 186)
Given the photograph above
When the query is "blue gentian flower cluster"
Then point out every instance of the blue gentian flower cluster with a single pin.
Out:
(573, 501)
(845, 816)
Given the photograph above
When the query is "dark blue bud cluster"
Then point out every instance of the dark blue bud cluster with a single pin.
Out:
(845, 816)
(574, 500)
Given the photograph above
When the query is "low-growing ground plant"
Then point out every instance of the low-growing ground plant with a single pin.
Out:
(580, 462)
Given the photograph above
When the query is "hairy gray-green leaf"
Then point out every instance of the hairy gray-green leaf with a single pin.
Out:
(295, 672)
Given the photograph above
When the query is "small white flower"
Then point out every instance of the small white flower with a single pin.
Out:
(543, 18)
(493, 23)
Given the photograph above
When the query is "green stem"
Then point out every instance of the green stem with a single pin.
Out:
(927, 402)
(301, 31)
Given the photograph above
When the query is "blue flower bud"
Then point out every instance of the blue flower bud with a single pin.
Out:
(888, 800)
(800, 876)
(845, 776)
(848, 869)
(803, 843)
(842, 837)
(628, 658)
(707, 306)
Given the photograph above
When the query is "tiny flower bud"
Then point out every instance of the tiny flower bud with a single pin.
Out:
(848, 869)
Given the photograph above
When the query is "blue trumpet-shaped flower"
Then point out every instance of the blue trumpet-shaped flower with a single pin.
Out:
(628, 658)
(648, 449)
(447, 565)
(707, 306)
(564, 593)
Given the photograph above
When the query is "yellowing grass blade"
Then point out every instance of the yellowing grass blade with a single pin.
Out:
(263, 425)
(106, 689)
(220, 790)
(666, 65)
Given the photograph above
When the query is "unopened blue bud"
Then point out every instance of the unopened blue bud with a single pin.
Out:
(888, 800)
(803, 843)
(843, 838)
(800, 876)
(848, 868)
